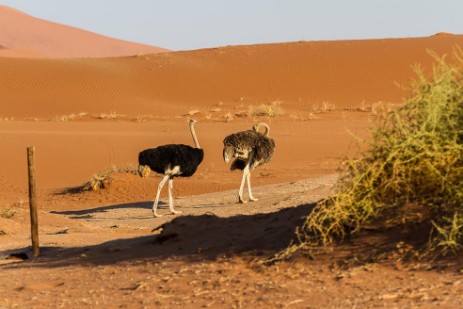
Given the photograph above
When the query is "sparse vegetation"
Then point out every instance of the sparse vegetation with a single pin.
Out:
(228, 117)
(110, 116)
(10, 210)
(143, 118)
(7, 212)
(103, 179)
(377, 109)
(70, 117)
(271, 110)
(410, 177)
(2, 118)
(324, 107)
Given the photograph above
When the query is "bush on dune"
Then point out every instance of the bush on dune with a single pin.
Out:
(411, 173)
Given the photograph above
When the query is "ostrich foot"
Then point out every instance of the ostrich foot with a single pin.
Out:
(241, 201)
(176, 212)
(156, 215)
(253, 199)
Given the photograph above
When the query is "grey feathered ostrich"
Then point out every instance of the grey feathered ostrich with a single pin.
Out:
(171, 160)
(251, 149)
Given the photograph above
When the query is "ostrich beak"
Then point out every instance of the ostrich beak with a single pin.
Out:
(226, 156)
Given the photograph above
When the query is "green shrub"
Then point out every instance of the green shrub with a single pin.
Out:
(412, 171)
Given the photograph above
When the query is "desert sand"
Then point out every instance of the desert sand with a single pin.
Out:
(103, 249)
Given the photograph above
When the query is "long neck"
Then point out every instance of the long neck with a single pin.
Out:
(193, 134)
(263, 124)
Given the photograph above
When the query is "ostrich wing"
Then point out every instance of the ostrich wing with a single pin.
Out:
(243, 142)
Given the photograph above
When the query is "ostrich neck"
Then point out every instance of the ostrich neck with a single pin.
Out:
(266, 127)
(193, 134)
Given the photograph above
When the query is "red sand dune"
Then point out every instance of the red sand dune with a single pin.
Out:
(301, 75)
(19, 31)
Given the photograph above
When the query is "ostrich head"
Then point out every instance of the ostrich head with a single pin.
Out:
(228, 153)
(144, 171)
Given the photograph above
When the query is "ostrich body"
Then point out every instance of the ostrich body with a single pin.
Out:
(170, 160)
(250, 149)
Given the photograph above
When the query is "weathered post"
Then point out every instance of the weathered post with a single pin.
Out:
(33, 201)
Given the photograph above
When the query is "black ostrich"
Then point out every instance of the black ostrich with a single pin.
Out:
(171, 160)
(251, 149)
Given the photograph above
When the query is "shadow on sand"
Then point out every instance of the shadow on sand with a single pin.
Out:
(83, 212)
(205, 237)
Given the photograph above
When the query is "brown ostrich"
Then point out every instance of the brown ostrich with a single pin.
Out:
(250, 149)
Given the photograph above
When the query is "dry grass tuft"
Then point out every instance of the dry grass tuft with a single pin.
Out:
(380, 109)
(70, 117)
(228, 117)
(324, 107)
(7, 212)
(110, 116)
(103, 179)
(270, 110)
(143, 118)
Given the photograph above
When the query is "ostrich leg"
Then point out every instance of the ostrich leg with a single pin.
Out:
(171, 202)
(246, 172)
(156, 201)
(251, 197)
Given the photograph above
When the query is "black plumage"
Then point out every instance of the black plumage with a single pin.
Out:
(166, 157)
(173, 160)
(250, 149)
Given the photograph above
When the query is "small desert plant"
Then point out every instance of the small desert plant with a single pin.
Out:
(69, 117)
(103, 179)
(110, 116)
(143, 118)
(271, 110)
(412, 173)
(97, 182)
(379, 109)
(227, 117)
(324, 107)
(8, 212)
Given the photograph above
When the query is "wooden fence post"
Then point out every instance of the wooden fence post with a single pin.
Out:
(33, 201)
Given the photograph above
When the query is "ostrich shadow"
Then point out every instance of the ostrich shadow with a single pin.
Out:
(100, 209)
(194, 238)
(148, 205)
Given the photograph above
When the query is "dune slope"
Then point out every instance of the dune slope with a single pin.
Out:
(301, 75)
(20, 31)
